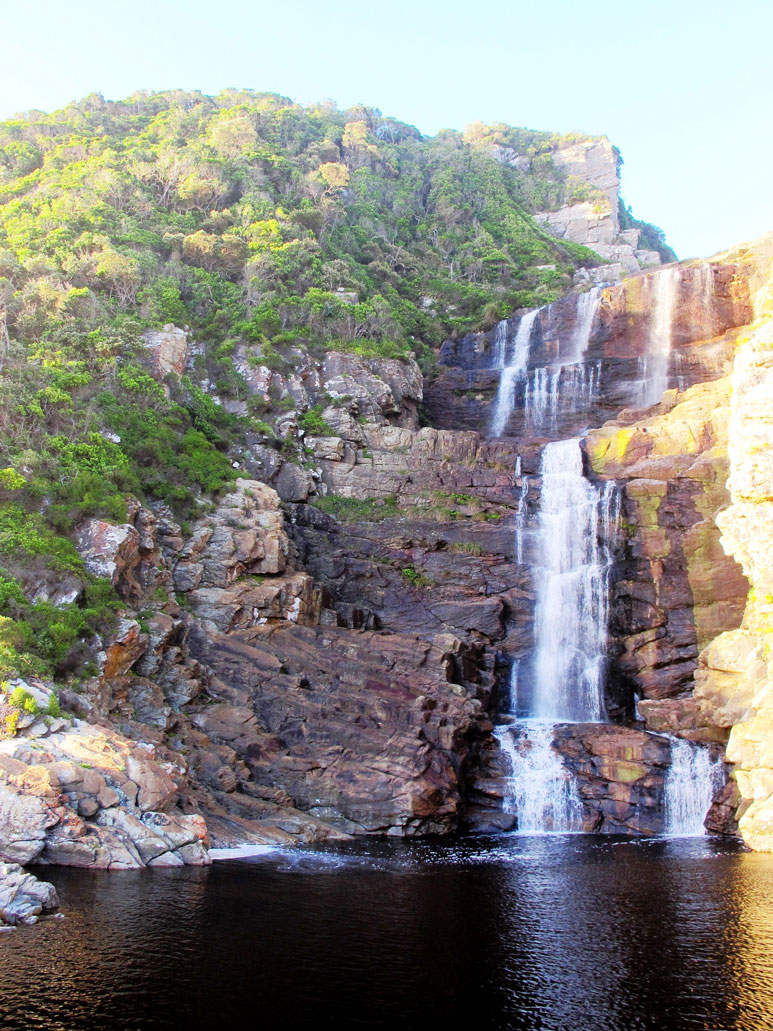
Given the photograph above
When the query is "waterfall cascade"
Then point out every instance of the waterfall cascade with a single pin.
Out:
(571, 616)
(661, 298)
(574, 544)
(539, 790)
(569, 376)
(513, 370)
(692, 780)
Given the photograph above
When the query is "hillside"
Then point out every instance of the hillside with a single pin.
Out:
(273, 234)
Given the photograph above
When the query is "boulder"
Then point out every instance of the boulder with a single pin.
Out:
(23, 898)
(167, 351)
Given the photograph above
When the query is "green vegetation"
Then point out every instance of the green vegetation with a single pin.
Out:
(415, 578)
(313, 423)
(46, 639)
(22, 701)
(354, 510)
(466, 547)
(272, 232)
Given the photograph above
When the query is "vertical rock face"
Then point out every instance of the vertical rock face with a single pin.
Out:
(735, 683)
(674, 588)
(592, 218)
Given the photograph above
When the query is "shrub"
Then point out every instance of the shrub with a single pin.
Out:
(11, 480)
(313, 423)
(415, 578)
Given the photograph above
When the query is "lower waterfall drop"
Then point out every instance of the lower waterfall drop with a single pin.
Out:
(571, 615)
(539, 791)
(693, 779)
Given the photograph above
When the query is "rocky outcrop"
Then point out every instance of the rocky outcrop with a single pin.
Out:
(166, 351)
(222, 568)
(592, 167)
(23, 898)
(79, 794)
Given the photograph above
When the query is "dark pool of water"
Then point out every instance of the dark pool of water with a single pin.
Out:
(541, 933)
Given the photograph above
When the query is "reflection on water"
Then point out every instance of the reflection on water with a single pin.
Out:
(552, 933)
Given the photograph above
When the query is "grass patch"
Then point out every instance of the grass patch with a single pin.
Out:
(466, 547)
(358, 510)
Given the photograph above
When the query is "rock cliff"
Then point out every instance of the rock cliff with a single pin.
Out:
(734, 685)
(321, 652)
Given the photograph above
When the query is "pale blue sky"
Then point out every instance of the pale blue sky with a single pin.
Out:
(682, 87)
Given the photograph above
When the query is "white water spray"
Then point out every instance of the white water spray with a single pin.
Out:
(692, 780)
(512, 371)
(539, 791)
(660, 293)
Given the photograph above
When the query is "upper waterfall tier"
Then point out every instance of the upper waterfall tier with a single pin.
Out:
(555, 371)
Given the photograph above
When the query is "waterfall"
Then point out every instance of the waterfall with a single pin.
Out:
(501, 340)
(562, 680)
(520, 516)
(571, 615)
(660, 292)
(588, 305)
(543, 388)
(512, 372)
(692, 781)
(539, 791)
(576, 522)
(572, 379)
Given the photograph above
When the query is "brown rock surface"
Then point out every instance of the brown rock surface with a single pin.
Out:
(370, 733)
(167, 350)
(675, 589)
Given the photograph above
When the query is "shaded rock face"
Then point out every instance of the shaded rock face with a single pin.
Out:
(369, 733)
(444, 562)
